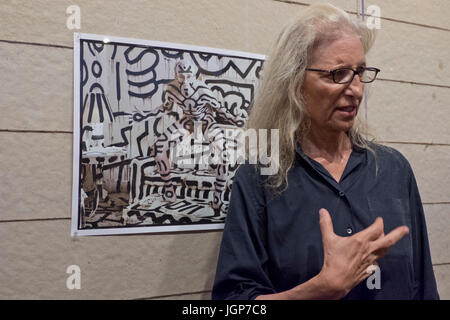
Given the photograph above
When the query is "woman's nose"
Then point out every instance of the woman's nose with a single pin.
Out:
(356, 87)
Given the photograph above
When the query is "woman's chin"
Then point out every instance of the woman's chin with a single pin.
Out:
(342, 126)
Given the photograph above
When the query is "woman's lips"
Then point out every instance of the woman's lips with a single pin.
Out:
(347, 110)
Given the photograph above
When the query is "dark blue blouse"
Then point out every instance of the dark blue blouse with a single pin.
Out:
(272, 243)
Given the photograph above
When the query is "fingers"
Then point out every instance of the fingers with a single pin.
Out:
(366, 270)
(382, 244)
(326, 225)
(374, 231)
(380, 253)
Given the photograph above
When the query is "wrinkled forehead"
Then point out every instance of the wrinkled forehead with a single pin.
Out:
(343, 48)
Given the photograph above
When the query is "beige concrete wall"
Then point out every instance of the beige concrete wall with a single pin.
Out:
(408, 108)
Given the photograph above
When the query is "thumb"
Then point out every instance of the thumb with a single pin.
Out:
(326, 225)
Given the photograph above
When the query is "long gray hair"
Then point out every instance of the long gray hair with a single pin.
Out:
(279, 103)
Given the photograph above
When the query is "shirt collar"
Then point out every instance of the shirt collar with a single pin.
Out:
(359, 154)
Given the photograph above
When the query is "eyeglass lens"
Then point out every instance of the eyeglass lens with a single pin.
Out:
(346, 75)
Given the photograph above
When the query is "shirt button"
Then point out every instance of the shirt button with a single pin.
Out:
(349, 230)
(341, 193)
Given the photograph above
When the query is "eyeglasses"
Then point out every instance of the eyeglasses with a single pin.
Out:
(346, 75)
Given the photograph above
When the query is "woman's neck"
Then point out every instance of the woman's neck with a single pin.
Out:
(330, 145)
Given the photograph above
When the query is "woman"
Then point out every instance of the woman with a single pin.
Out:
(341, 209)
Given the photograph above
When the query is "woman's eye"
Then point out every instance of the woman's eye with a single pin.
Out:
(340, 74)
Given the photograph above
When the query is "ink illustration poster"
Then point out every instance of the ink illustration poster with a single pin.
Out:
(151, 123)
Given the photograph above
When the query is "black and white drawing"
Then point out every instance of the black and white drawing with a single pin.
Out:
(150, 133)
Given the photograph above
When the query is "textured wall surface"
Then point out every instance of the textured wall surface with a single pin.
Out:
(407, 108)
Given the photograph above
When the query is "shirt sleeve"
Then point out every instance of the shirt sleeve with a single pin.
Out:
(242, 265)
(425, 282)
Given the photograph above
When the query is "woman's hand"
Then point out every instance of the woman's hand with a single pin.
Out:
(346, 259)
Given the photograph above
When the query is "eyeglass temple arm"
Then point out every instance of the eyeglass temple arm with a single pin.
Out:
(319, 70)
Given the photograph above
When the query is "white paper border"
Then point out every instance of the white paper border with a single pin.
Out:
(76, 136)
(75, 231)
